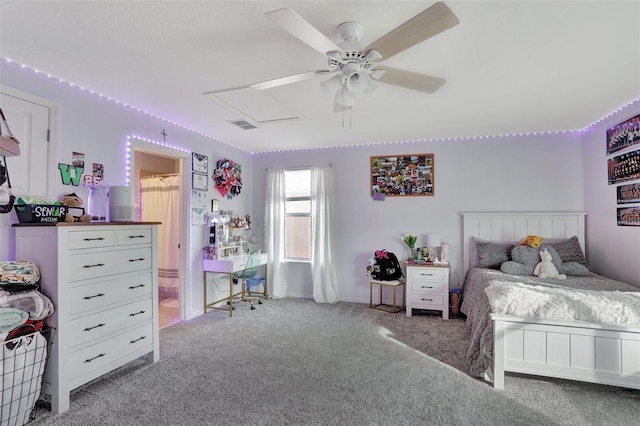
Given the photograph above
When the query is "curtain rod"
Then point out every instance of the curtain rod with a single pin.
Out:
(296, 168)
(163, 175)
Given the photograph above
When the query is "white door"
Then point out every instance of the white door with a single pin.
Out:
(30, 172)
(29, 123)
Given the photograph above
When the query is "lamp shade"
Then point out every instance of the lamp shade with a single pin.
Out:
(433, 240)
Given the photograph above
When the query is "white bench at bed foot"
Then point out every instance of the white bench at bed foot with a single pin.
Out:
(576, 350)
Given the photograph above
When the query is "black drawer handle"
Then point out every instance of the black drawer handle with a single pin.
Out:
(95, 326)
(138, 339)
(94, 239)
(137, 236)
(429, 275)
(137, 313)
(131, 287)
(93, 266)
(91, 297)
(94, 358)
(136, 260)
(426, 286)
(428, 300)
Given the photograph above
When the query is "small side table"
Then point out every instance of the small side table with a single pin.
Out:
(393, 308)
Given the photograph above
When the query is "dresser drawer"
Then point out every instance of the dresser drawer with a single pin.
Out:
(134, 236)
(91, 327)
(422, 286)
(93, 238)
(94, 296)
(95, 265)
(430, 274)
(427, 301)
(86, 360)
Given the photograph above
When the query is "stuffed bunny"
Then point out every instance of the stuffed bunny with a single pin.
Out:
(546, 269)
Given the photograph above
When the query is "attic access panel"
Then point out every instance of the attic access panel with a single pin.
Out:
(403, 175)
(256, 106)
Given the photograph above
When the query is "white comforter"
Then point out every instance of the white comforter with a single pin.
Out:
(561, 303)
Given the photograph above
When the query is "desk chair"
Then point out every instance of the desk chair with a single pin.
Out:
(251, 269)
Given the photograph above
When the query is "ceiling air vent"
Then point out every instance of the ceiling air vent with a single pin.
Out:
(243, 124)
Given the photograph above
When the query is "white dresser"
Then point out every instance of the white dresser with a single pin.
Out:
(428, 288)
(102, 279)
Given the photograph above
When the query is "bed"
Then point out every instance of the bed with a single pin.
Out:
(546, 327)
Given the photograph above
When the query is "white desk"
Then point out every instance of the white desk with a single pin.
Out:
(229, 265)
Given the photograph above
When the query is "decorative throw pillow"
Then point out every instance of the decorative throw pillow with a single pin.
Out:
(525, 259)
(492, 255)
(570, 250)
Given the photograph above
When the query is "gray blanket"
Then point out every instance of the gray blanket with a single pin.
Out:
(476, 307)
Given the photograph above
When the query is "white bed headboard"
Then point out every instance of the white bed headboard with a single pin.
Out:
(516, 226)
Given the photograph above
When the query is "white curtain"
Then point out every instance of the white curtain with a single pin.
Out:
(274, 233)
(323, 236)
(159, 197)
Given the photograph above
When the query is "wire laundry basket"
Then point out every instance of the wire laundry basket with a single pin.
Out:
(23, 361)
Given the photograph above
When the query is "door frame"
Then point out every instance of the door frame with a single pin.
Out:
(184, 160)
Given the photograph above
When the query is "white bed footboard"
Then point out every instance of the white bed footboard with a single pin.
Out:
(574, 350)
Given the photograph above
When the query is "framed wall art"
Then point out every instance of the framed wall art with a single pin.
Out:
(403, 175)
(623, 135)
(624, 167)
(629, 216)
(628, 194)
(199, 163)
(199, 182)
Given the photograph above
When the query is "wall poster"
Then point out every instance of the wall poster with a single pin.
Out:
(629, 216)
(403, 175)
(624, 167)
(623, 135)
(628, 194)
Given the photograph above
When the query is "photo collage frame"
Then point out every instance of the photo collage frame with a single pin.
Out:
(624, 167)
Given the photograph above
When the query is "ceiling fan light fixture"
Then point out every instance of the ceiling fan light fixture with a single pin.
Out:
(345, 97)
(357, 82)
(332, 85)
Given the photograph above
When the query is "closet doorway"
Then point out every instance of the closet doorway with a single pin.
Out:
(158, 175)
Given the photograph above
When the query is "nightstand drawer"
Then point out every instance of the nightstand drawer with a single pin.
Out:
(430, 274)
(427, 286)
(425, 301)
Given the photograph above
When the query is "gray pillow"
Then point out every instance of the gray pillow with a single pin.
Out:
(574, 268)
(525, 259)
(491, 255)
(570, 250)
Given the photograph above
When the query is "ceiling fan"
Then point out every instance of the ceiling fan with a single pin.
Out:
(352, 65)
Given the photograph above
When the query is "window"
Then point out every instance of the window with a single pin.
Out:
(297, 209)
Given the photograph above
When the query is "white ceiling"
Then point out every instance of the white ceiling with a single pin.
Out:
(511, 66)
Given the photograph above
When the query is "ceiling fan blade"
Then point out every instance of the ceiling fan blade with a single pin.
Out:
(421, 27)
(287, 80)
(297, 26)
(410, 80)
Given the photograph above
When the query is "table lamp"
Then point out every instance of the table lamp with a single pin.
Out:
(433, 242)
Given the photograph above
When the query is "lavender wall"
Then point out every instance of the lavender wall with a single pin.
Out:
(529, 173)
(612, 250)
(99, 128)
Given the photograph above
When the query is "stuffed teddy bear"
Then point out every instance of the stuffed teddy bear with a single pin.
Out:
(546, 268)
(72, 200)
(531, 241)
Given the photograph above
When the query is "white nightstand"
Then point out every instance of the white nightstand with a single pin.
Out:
(427, 287)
